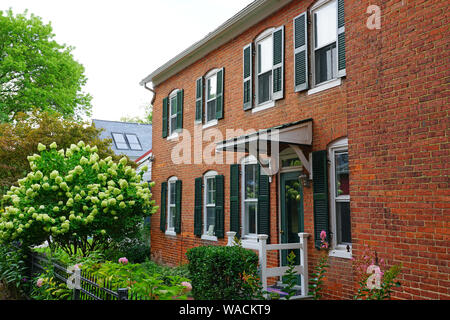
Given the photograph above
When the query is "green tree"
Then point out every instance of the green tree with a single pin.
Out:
(36, 71)
(20, 139)
(147, 119)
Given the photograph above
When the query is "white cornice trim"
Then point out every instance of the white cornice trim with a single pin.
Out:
(244, 19)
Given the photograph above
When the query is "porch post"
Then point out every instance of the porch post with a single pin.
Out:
(230, 236)
(262, 238)
(304, 261)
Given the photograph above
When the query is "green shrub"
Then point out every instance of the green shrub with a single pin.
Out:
(13, 269)
(221, 273)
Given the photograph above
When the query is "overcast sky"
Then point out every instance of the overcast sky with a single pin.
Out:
(120, 42)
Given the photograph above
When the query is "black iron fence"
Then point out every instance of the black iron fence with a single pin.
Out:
(88, 289)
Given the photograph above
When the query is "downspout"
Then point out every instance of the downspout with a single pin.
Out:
(153, 91)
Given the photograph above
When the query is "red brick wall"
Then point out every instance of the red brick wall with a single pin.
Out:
(391, 106)
(398, 125)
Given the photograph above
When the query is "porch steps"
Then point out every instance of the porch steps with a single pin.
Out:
(278, 288)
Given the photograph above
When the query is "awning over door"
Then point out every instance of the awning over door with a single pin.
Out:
(266, 141)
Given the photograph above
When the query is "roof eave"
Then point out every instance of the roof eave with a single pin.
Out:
(244, 19)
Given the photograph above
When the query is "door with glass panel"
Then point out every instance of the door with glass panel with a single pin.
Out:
(291, 199)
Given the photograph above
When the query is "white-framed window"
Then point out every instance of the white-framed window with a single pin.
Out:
(324, 49)
(171, 204)
(264, 64)
(209, 209)
(210, 96)
(249, 197)
(173, 111)
(341, 241)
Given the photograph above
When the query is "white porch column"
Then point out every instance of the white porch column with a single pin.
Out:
(230, 237)
(304, 261)
(262, 238)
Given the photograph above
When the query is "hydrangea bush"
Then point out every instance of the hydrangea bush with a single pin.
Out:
(76, 200)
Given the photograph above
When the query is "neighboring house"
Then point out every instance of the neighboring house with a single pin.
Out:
(128, 138)
(145, 160)
(362, 111)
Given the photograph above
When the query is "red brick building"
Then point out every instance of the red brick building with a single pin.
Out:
(361, 107)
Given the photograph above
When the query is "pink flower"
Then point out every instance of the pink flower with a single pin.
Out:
(323, 235)
(40, 282)
(324, 245)
(78, 266)
(187, 285)
(123, 260)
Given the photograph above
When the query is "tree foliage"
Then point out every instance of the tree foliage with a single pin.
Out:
(19, 140)
(76, 200)
(36, 71)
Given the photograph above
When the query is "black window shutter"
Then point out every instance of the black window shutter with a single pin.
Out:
(180, 109)
(220, 221)
(263, 204)
(320, 195)
(178, 206)
(198, 208)
(341, 38)
(300, 53)
(162, 208)
(219, 98)
(235, 223)
(199, 100)
(247, 76)
(165, 116)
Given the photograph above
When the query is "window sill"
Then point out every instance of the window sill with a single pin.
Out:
(208, 237)
(173, 136)
(170, 233)
(210, 124)
(340, 253)
(325, 86)
(264, 106)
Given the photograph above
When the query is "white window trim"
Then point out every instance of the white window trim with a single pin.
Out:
(325, 86)
(339, 251)
(252, 237)
(315, 7)
(170, 231)
(172, 95)
(266, 105)
(207, 76)
(206, 176)
(269, 103)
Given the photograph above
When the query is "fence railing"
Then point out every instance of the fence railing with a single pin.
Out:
(262, 247)
(88, 288)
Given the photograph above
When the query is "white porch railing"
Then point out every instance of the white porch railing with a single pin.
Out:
(262, 247)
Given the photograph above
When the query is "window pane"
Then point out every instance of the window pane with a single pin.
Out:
(210, 221)
(264, 87)
(326, 63)
(250, 217)
(173, 105)
(211, 110)
(134, 142)
(251, 189)
(212, 87)
(172, 192)
(119, 139)
(292, 162)
(171, 223)
(173, 124)
(342, 177)
(211, 191)
(343, 222)
(265, 59)
(325, 24)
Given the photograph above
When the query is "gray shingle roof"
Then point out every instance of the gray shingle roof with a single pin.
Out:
(142, 131)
